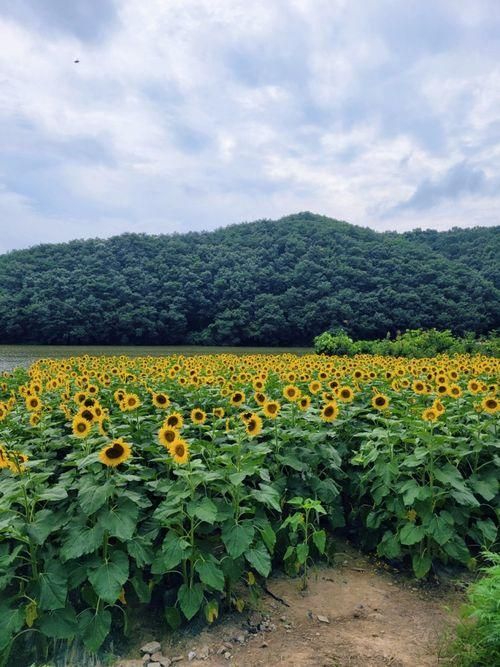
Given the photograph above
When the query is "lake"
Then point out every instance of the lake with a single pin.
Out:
(12, 356)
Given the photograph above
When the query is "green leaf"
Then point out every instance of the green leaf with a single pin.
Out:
(59, 624)
(190, 599)
(269, 537)
(457, 549)
(465, 497)
(411, 534)
(80, 541)
(302, 552)
(94, 627)
(141, 551)
(267, 495)
(45, 522)
(120, 520)
(211, 574)
(92, 497)
(141, 589)
(440, 529)
(487, 488)
(173, 617)
(54, 493)
(236, 478)
(108, 579)
(11, 621)
(389, 545)
(171, 554)
(203, 509)
(319, 539)
(448, 474)
(488, 530)
(259, 559)
(53, 587)
(237, 538)
(421, 564)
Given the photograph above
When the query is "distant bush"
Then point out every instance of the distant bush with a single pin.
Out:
(413, 343)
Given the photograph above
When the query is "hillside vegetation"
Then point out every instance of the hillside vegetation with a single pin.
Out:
(262, 283)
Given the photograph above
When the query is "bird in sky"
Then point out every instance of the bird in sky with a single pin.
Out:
(76, 61)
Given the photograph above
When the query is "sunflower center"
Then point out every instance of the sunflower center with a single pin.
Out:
(329, 411)
(81, 427)
(115, 451)
(180, 450)
(380, 400)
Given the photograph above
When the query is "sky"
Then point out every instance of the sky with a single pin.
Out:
(194, 114)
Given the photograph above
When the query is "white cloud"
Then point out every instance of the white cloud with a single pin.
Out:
(194, 114)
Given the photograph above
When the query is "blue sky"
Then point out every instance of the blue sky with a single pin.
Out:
(194, 114)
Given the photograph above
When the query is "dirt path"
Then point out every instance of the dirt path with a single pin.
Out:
(374, 619)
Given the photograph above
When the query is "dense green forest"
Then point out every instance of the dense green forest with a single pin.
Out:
(262, 283)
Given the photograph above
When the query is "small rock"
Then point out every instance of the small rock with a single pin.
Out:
(191, 655)
(264, 645)
(154, 664)
(151, 647)
(221, 650)
(162, 659)
(177, 658)
(287, 626)
(240, 639)
(227, 655)
(323, 619)
(283, 618)
(146, 658)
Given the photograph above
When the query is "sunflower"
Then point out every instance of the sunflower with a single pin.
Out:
(253, 425)
(314, 387)
(79, 397)
(175, 420)
(198, 416)
(490, 404)
(271, 409)
(430, 415)
(380, 402)
(442, 389)
(218, 412)
(33, 403)
(80, 426)
(179, 450)
(167, 435)
(4, 459)
(115, 453)
(16, 461)
(419, 387)
(454, 391)
(329, 412)
(345, 394)
(34, 418)
(304, 403)
(87, 414)
(260, 397)
(237, 398)
(130, 402)
(161, 401)
(291, 392)
(438, 406)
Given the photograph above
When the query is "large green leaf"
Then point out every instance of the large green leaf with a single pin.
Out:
(259, 559)
(141, 551)
(389, 546)
(488, 531)
(203, 509)
(237, 538)
(108, 579)
(440, 529)
(94, 627)
(59, 624)
(93, 495)
(267, 495)
(120, 519)
(53, 587)
(171, 554)
(190, 599)
(421, 564)
(211, 574)
(11, 621)
(319, 539)
(411, 534)
(81, 540)
(45, 522)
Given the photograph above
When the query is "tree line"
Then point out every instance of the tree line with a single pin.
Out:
(262, 283)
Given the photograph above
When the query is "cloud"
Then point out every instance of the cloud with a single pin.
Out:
(193, 114)
(458, 181)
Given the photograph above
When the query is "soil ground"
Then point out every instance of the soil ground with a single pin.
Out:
(375, 618)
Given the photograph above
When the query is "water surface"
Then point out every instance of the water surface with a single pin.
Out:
(12, 356)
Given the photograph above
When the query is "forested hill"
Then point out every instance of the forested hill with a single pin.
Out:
(263, 283)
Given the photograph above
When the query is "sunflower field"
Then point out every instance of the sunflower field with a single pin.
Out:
(182, 482)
